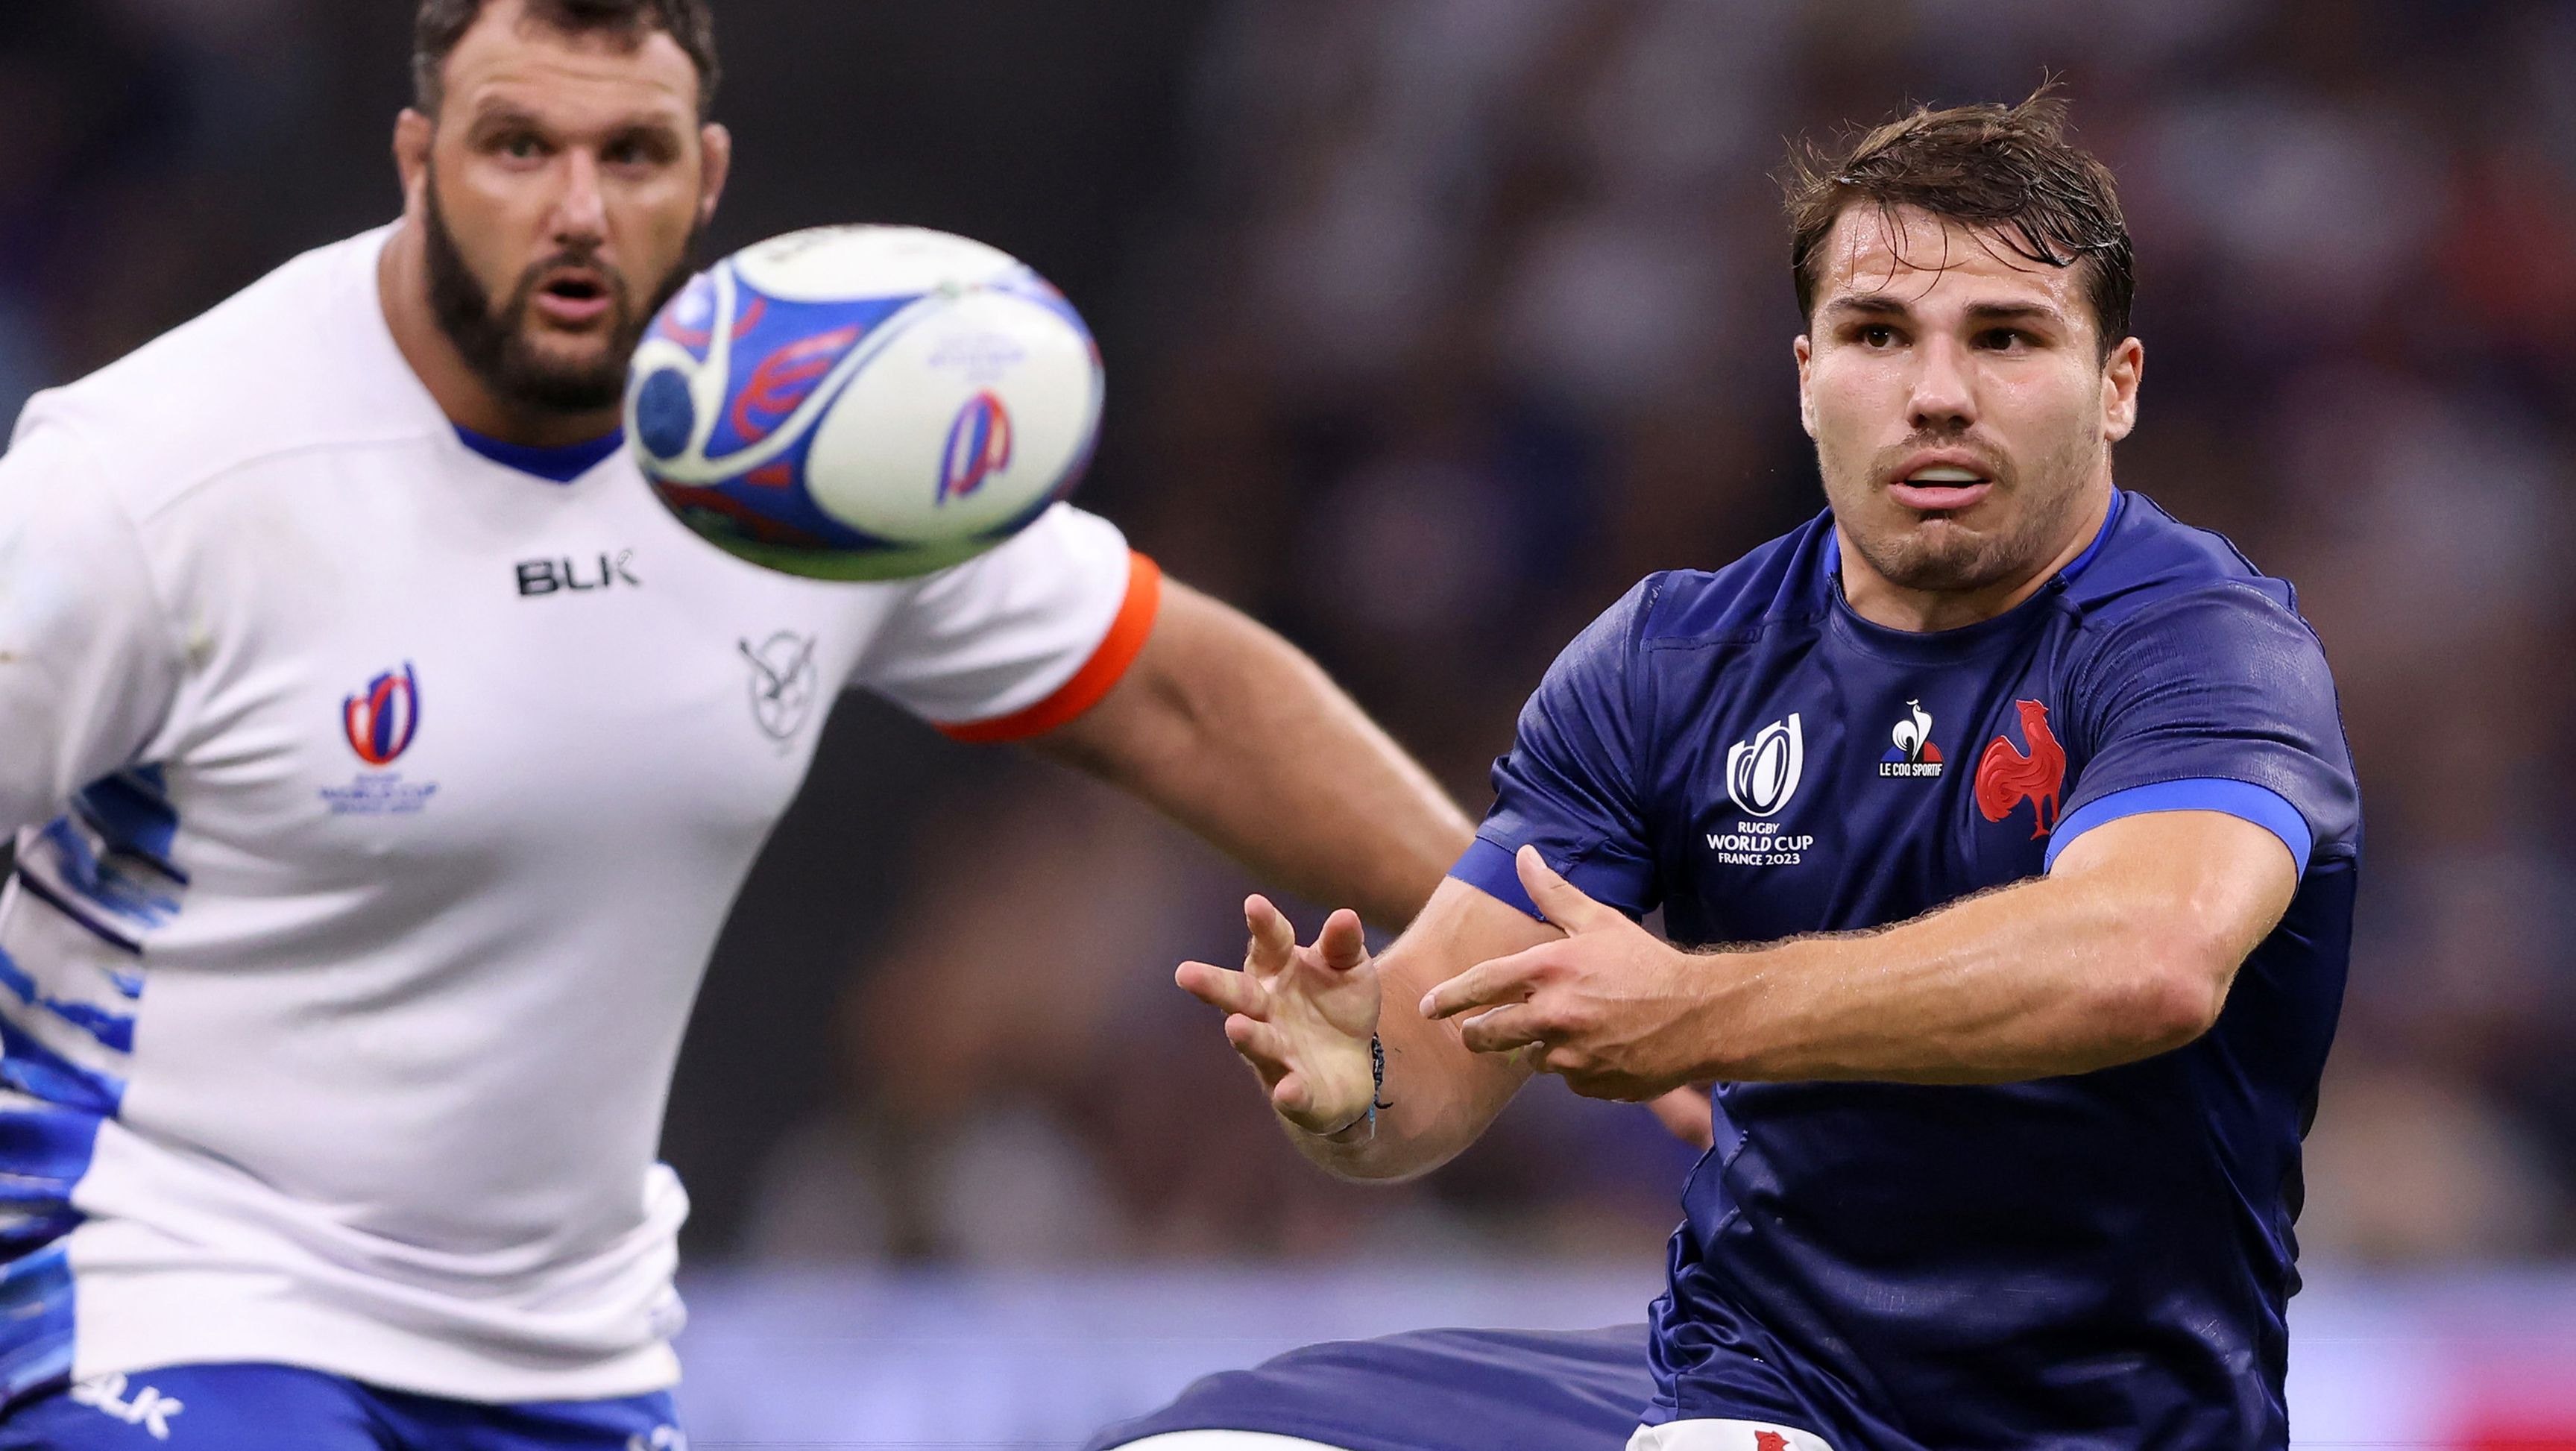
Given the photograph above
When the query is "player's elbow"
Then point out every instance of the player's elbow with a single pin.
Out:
(2170, 1005)
(2174, 986)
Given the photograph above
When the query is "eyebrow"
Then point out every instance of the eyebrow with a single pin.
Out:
(1888, 304)
(506, 115)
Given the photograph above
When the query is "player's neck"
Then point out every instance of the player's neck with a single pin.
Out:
(402, 284)
(1881, 601)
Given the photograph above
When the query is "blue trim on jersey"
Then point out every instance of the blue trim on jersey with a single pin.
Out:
(556, 465)
(256, 1407)
(35, 1322)
(101, 880)
(2260, 805)
(1490, 869)
(37, 888)
(113, 1030)
(39, 1072)
(2110, 521)
(131, 813)
(2080, 563)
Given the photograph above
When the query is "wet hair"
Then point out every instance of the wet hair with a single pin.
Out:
(440, 24)
(2007, 172)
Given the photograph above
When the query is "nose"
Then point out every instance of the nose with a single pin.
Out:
(1943, 400)
(581, 212)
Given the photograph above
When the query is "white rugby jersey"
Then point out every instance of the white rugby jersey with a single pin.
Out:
(377, 806)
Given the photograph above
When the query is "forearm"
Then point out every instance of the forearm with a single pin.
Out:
(1234, 733)
(2062, 974)
(1441, 1097)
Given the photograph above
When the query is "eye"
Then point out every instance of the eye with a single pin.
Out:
(521, 146)
(2003, 340)
(1877, 335)
(638, 149)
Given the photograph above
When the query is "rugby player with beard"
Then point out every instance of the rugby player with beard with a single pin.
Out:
(366, 872)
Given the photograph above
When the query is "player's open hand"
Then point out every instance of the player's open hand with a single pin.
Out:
(1301, 1016)
(1612, 1010)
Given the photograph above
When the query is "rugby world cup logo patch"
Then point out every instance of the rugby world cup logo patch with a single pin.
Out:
(381, 720)
(979, 446)
(1762, 773)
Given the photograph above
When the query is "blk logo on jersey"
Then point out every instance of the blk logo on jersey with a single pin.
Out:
(783, 685)
(979, 446)
(382, 719)
(147, 1408)
(2007, 775)
(1914, 754)
(550, 576)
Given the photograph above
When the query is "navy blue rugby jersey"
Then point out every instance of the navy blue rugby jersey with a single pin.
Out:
(2096, 1261)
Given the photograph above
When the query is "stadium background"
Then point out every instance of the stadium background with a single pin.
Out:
(1431, 324)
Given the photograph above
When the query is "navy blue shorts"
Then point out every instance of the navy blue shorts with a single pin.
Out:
(280, 1408)
(1433, 1390)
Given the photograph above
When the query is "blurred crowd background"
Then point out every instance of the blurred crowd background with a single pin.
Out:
(1432, 324)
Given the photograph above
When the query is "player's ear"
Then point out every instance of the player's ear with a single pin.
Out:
(413, 133)
(715, 143)
(2121, 374)
(1806, 400)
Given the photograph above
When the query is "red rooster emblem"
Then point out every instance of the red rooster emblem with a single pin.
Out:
(1770, 1441)
(2006, 776)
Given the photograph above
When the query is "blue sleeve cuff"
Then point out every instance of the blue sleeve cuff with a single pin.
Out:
(1490, 870)
(2244, 800)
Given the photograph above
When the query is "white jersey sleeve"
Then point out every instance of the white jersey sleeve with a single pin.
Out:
(88, 663)
(1020, 640)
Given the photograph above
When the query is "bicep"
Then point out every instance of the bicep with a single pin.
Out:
(1152, 712)
(2209, 883)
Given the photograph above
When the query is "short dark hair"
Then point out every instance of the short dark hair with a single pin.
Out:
(2007, 170)
(442, 23)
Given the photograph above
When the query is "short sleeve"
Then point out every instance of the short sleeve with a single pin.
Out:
(88, 665)
(1021, 639)
(2218, 701)
(1569, 786)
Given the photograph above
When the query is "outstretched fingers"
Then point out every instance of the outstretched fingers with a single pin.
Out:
(1220, 987)
(1343, 944)
(1274, 939)
(1262, 1046)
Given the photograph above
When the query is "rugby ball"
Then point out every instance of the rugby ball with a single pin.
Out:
(864, 403)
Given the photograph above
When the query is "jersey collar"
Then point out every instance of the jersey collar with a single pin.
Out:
(559, 465)
(1966, 640)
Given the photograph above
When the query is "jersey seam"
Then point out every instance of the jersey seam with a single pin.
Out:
(224, 474)
(2100, 634)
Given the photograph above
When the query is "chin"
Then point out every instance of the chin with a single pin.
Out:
(1940, 556)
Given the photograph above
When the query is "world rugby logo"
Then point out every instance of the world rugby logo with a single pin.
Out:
(1762, 773)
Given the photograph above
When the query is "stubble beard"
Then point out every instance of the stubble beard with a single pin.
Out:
(1941, 555)
(494, 341)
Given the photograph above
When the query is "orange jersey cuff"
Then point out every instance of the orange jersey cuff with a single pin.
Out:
(1107, 665)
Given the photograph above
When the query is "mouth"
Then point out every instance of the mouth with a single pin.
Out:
(1940, 485)
(573, 297)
